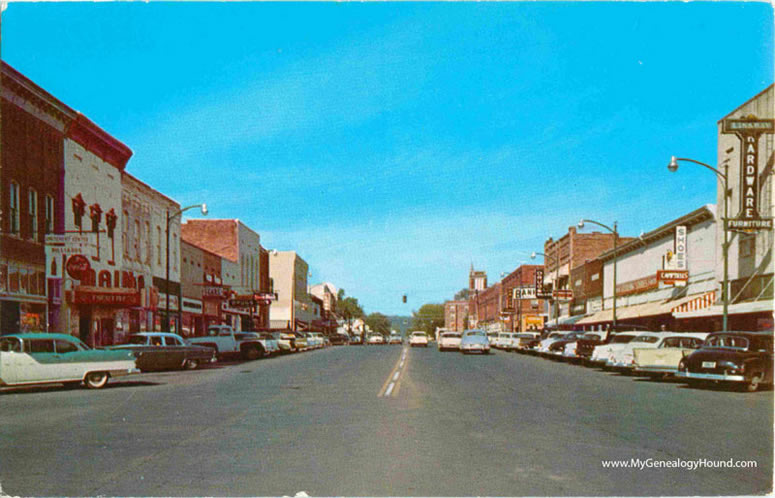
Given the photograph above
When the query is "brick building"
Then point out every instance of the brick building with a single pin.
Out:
(488, 307)
(569, 251)
(525, 313)
(456, 315)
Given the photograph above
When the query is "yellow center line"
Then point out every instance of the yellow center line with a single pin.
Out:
(387, 390)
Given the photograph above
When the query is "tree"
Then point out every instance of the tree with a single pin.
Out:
(348, 308)
(463, 294)
(428, 318)
(378, 322)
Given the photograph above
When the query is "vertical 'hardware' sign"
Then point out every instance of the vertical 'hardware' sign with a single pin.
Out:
(749, 130)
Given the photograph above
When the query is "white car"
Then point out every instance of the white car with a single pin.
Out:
(492, 337)
(375, 339)
(449, 340)
(602, 353)
(418, 338)
(624, 359)
(43, 358)
(505, 341)
(474, 341)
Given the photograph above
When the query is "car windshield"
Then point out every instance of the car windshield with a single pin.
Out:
(418, 334)
(475, 333)
(622, 339)
(727, 341)
(525, 336)
(136, 339)
(681, 342)
(646, 338)
(450, 334)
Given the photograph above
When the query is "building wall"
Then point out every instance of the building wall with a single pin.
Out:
(456, 315)
(33, 124)
(644, 261)
(750, 255)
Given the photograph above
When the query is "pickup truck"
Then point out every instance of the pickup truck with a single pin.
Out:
(227, 341)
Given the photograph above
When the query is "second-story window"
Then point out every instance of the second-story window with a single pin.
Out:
(33, 213)
(158, 245)
(49, 214)
(14, 206)
(126, 233)
(136, 241)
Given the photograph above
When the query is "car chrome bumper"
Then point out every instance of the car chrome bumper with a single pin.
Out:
(707, 376)
(647, 369)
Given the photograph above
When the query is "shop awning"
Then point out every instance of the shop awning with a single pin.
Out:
(643, 310)
(566, 320)
(598, 317)
(734, 309)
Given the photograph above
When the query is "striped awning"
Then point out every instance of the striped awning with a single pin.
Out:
(695, 302)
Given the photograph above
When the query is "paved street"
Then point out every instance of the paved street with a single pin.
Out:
(362, 421)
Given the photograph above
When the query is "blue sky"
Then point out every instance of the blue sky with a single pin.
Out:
(394, 144)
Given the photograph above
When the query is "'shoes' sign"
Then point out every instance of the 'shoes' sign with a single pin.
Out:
(749, 130)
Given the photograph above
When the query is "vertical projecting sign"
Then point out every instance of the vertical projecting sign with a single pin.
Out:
(680, 247)
(749, 130)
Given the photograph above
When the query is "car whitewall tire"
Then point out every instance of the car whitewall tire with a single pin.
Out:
(96, 380)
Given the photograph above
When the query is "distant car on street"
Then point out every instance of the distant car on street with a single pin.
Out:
(743, 358)
(376, 339)
(396, 339)
(526, 341)
(474, 341)
(449, 341)
(339, 339)
(418, 338)
(44, 358)
(165, 351)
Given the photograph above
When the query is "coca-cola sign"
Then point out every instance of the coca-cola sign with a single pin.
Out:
(77, 265)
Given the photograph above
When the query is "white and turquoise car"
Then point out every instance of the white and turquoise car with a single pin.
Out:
(42, 358)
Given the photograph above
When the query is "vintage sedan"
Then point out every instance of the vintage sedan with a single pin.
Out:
(556, 349)
(395, 339)
(663, 360)
(268, 344)
(602, 352)
(526, 341)
(571, 349)
(743, 358)
(623, 359)
(285, 341)
(505, 341)
(44, 358)
(418, 338)
(165, 351)
(449, 341)
(375, 339)
(474, 341)
(339, 339)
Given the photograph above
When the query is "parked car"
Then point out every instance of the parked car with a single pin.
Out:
(285, 341)
(300, 341)
(623, 359)
(449, 340)
(227, 342)
(543, 346)
(586, 345)
(505, 341)
(418, 338)
(43, 358)
(743, 358)
(339, 339)
(356, 340)
(376, 339)
(266, 340)
(165, 351)
(474, 341)
(602, 352)
(571, 353)
(525, 341)
(557, 348)
(663, 360)
(396, 339)
(492, 337)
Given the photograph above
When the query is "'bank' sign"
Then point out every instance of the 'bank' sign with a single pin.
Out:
(749, 130)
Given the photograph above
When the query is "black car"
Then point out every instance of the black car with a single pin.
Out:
(164, 350)
(339, 339)
(557, 348)
(744, 358)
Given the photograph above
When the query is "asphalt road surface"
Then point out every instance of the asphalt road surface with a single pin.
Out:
(369, 421)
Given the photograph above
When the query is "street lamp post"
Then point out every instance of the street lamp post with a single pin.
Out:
(673, 167)
(557, 280)
(171, 217)
(616, 240)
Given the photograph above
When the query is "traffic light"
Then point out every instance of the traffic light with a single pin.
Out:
(404, 297)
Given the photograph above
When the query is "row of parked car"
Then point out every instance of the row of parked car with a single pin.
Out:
(42, 358)
(736, 358)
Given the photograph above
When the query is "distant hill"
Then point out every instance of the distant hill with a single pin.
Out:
(400, 323)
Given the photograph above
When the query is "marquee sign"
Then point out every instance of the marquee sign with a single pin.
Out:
(749, 130)
(673, 277)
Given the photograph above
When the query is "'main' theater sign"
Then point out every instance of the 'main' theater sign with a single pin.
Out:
(749, 130)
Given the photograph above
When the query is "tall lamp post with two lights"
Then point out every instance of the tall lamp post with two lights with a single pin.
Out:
(170, 217)
(673, 167)
(616, 240)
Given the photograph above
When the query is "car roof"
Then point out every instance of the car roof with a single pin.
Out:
(42, 335)
(156, 334)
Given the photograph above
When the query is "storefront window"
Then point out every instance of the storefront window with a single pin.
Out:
(13, 280)
(32, 317)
